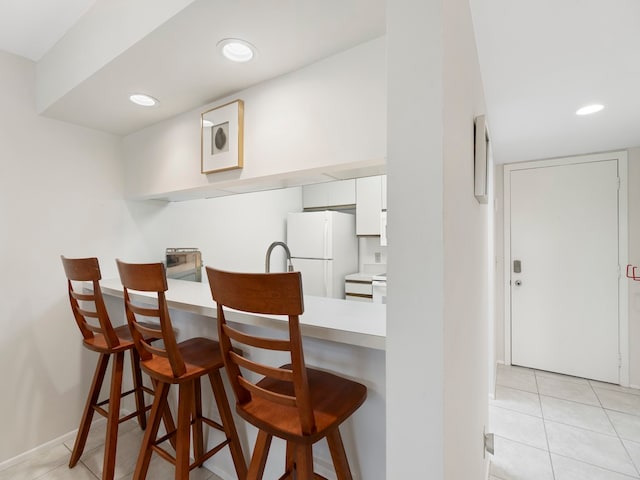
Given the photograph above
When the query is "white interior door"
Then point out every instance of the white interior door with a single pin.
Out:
(564, 269)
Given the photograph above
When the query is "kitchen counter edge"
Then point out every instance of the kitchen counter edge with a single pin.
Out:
(341, 321)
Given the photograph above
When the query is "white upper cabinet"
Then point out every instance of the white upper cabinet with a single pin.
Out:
(329, 195)
(369, 204)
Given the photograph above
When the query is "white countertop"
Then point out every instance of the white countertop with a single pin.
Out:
(342, 321)
(359, 277)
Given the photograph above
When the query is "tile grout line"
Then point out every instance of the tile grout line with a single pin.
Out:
(626, 412)
(594, 465)
(569, 400)
(538, 377)
(615, 430)
(89, 469)
(81, 462)
(544, 425)
(544, 421)
(519, 442)
(515, 411)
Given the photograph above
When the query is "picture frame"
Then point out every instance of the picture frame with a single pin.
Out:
(480, 159)
(222, 138)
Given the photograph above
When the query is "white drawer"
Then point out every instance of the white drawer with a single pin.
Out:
(358, 298)
(362, 288)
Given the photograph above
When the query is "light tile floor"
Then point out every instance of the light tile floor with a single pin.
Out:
(547, 427)
(52, 463)
(554, 427)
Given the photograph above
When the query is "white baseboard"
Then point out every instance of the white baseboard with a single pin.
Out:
(51, 443)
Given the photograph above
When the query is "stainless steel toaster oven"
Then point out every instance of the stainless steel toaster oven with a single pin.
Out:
(184, 264)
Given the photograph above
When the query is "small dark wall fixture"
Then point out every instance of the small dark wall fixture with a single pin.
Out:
(481, 158)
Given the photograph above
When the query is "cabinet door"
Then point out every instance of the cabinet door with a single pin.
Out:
(329, 194)
(315, 196)
(368, 205)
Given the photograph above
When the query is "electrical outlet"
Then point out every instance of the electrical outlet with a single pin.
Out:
(378, 257)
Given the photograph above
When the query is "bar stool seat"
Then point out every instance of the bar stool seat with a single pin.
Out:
(334, 399)
(99, 335)
(99, 342)
(176, 363)
(299, 404)
(199, 354)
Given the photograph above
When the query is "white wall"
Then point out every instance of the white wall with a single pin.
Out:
(60, 193)
(437, 331)
(331, 112)
(466, 278)
(233, 233)
(415, 269)
(633, 173)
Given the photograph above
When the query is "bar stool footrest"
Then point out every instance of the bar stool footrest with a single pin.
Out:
(105, 413)
(289, 475)
(198, 462)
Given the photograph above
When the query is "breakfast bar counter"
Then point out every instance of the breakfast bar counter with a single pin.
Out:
(353, 323)
(344, 337)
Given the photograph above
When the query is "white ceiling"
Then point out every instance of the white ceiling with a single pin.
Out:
(178, 62)
(29, 28)
(540, 61)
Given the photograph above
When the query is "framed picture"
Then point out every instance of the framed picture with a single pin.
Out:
(480, 159)
(221, 137)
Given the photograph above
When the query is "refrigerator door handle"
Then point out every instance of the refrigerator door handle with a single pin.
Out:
(325, 246)
(326, 279)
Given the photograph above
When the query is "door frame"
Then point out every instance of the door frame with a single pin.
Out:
(623, 248)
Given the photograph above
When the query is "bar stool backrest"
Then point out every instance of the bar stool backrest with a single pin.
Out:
(150, 277)
(272, 294)
(90, 321)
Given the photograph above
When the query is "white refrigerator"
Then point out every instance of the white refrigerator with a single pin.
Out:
(324, 248)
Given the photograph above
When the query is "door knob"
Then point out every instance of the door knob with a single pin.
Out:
(518, 283)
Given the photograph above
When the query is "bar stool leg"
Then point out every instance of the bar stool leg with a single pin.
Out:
(198, 440)
(167, 418)
(339, 456)
(137, 385)
(290, 462)
(229, 425)
(87, 415)
(113, 420)
(185, 402)
(259, 458)
(304, 462)
(157, 411)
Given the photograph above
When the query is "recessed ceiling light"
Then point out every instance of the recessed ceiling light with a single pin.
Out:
(236, 50)
(142, 99)
(589, 109)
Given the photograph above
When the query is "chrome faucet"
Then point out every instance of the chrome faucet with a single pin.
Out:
(267, 261)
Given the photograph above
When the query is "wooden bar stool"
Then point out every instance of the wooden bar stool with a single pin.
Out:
(298, 404)
(181, 364)
(100, 336)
